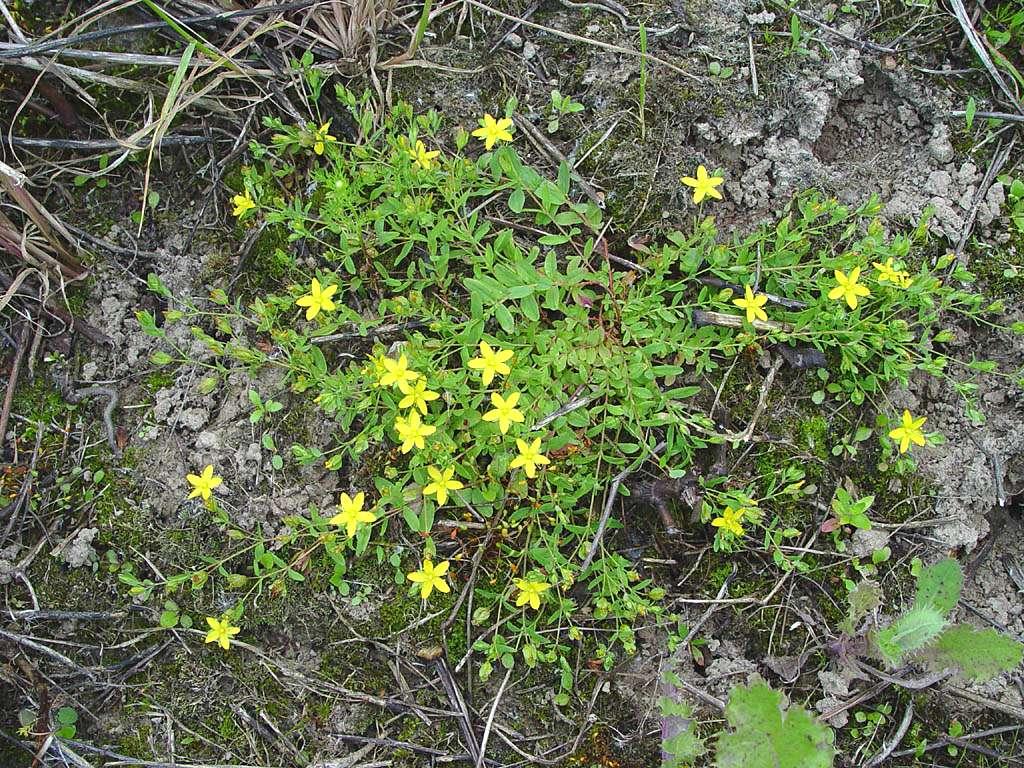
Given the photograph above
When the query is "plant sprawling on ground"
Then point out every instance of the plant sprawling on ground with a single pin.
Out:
(531, 362)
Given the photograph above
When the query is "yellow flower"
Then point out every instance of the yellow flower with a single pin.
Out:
(318, 299)
(430, 577)
(491, 130)
(491, 362)
(730, 521)
(887, 273)
(243, 203)
(909, 431)
(704, 185)
(752, 304)
(411, 431)
(416, 395)
(396, 372)
(443, 483)
(221, 632)
(848, 288)
(203, 485)
(321, 137)
(530, 592)
(422, 158)
(529, 457)
(352, 514)
(505, 411)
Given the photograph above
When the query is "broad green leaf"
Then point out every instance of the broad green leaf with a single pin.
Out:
(766, 733)
(979, 654)
(939, 585)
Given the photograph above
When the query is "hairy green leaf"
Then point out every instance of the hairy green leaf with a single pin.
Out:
(939, 585)
(864, 598)
(910, 632)
(766, 733)
(979, 654)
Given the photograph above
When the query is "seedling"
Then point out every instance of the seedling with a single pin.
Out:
(560, 107)
(922, 633)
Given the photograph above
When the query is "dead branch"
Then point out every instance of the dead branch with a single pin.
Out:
(723, 320)
(887, 748)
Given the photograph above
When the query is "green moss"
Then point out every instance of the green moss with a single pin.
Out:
(135, 743)
(812, 435)
(999, 270)
(158, 380)
(269, 264)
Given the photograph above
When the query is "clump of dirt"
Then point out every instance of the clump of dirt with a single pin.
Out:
(79, 551)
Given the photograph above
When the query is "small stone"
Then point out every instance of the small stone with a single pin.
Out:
(529, 51)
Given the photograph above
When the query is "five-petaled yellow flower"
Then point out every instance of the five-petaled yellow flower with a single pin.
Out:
(752, 303)
(421, 157)
(505, 411)
(321, 137)
(529, 457)
(318, 299)
(352, 514)
(203, 485)
(530, 592)
(411, 431)
(848, 288)
(887, 273)
(221, 632)
(416, 395)
(396, 372)
(491, 362)
(704, 185)
(442, 483)
(491, 130)
(909, 431)
(243, 203)
(730, 521)
(430, 577)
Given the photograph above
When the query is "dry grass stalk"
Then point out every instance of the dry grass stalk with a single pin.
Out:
(42, 241)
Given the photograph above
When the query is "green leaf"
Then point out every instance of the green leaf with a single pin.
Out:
(411, 519)
(979, 654)
(517, 201)
(766, 733)
(563, 177)
(969, 112)
(910, 632)
(154, 284)
(864, 598)
(504, 318)
(67, 716)
(529, 307)
(939, 585)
